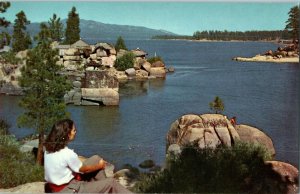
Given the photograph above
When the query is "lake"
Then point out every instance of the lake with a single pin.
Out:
(264, 95)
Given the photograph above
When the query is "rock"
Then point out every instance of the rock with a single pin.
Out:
(29, 145)
(77, 84)
(35, 187)
(254, 135)
(101, 53)
(207, 130)
(11, 88)
(113, 51)
(288, 174)
(89, 69)
(71, 52)
(108, 61)
(121, 52)
(147, 164)
(139, 53)
(71, 58)
(158, 64)
(146, 66)
(100, 79)
(126, 178)
(130, 72)
(107, 96)
(159, 72)
(174, 149)
(121, 75)
(141, 74)
(22, 54)
(171, 69)
(93, 56)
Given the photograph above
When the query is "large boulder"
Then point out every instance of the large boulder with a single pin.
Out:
(211, 130)
(158, 64)
(146, 66)
(159, 72)
(107, 96)
(254, 135)
(130, 72)
(208, 130)
(141, 74)
(71, 52)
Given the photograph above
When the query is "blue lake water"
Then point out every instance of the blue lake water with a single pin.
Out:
(264, 95)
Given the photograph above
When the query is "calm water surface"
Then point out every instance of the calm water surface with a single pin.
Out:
(265, 95)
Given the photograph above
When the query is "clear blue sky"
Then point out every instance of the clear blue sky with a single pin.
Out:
(178, 17)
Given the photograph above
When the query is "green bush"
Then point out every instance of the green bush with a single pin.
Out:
(238, 169)
(125, 62)
(16, 167)
(154, 59)
(10, 57)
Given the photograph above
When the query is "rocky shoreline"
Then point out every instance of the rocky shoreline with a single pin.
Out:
(262, 58)
(288, 54)
(91, 70)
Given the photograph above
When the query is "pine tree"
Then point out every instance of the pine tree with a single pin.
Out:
(56, 28)
(120, 44)
(44, 89)
(72, 33)
(292, 24)
(4, 36)
(217, 105)
(21, 39)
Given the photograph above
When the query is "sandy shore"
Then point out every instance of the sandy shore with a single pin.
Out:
(268, 59)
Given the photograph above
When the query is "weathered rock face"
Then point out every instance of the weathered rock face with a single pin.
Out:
(254, 135)
(130, 72)
(107, 96)
(208, 130)
(100, 79)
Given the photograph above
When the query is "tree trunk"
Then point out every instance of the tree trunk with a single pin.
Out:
(40, 153)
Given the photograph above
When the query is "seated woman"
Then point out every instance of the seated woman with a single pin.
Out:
(62, 165)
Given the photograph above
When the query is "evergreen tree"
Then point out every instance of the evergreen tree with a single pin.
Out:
(217, 105)
(72, 33)
(4, 36)
(44, 89)
(21, 39)
(56, 28)
(120, 44)
(292, 24)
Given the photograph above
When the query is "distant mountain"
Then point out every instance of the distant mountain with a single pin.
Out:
(97, 30)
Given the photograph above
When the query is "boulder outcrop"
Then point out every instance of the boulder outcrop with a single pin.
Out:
(253, 135)
(211, 130)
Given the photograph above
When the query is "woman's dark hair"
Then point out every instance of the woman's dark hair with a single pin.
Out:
(59, 135)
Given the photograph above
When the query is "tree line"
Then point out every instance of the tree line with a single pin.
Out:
(291, 31)
(21, 40)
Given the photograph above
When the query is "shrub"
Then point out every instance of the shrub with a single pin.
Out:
(238, 169)
(125, 62)
(154, 59)
(16, 167)
(10, 57)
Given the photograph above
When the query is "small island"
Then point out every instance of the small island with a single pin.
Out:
(287, 54)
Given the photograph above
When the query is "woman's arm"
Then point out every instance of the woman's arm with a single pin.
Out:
(92, 168)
